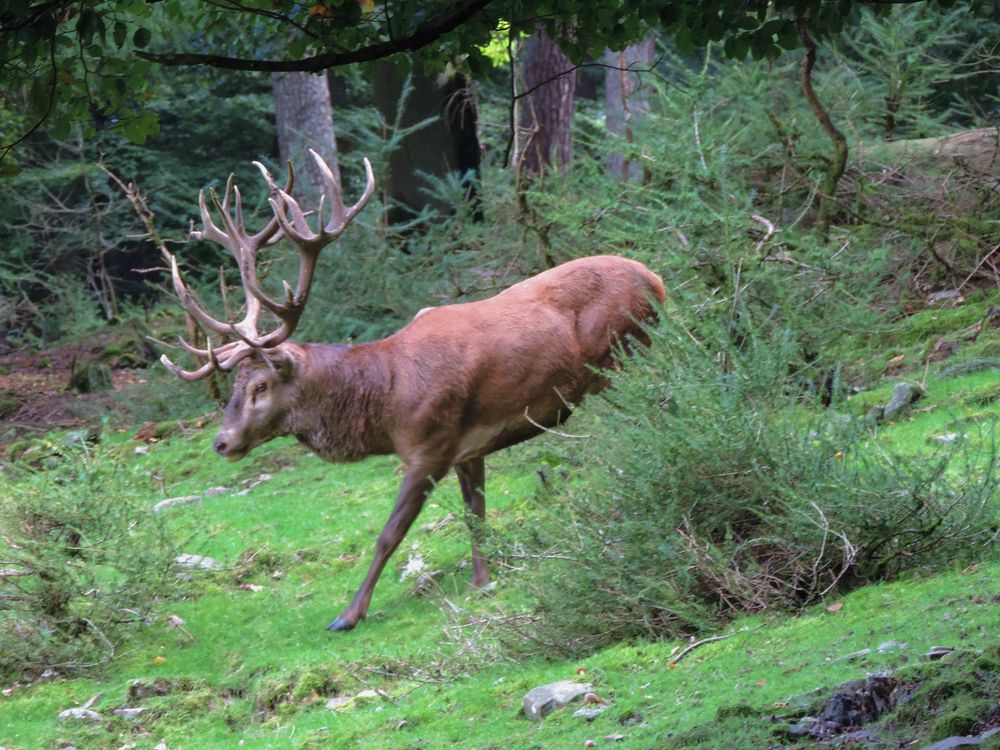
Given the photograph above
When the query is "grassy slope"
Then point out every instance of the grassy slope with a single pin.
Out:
(254, 668)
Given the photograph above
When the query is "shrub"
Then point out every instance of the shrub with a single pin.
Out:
(83, 561)
(708, 489)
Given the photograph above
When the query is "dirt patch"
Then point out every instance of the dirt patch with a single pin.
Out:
(33, 389)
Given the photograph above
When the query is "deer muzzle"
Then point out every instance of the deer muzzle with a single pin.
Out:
(226, 447)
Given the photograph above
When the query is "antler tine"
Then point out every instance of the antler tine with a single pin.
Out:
(288, 219)
(222, 351)
(209, 230)
(188, 300)
(198, 374)
(340, 218)
(236, 356)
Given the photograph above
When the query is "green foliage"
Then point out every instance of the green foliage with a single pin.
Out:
(721, 493)
(84, 561)
(68, 61)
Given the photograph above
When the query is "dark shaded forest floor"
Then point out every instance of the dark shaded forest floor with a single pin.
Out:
(35, 392)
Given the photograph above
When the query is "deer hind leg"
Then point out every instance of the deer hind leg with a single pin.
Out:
(472, 480)
(416, 486)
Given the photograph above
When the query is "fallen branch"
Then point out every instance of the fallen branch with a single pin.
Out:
(695, 645)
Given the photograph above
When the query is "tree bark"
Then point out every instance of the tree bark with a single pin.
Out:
(545, 109)
(625, 101)
(448, 143)
(304, 119)
(838, 164)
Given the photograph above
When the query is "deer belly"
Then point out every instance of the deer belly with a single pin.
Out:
(483, 440)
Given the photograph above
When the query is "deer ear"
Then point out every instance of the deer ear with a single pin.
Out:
(283, 362)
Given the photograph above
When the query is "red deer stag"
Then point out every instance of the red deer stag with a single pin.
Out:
(454, 385)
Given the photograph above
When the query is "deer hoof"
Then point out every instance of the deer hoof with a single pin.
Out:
(340, 624)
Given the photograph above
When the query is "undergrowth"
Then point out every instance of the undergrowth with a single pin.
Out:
(84, 562)
(725, 490)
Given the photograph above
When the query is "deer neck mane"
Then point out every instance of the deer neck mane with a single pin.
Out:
(343, 411)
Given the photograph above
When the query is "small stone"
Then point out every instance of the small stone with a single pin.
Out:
(803, 727)
(884, 648)
(543, 700)
(945, 295)
(367, 696)
(614, 737)
(196, 562)
(903, 395)
(937, 652)
(172, 501)
(174, 621)
(855, 656)
(340, 703)
(589, 743)
(952, 742)
(589, 712)
(84, 714)
(945, 439)
(129, 713)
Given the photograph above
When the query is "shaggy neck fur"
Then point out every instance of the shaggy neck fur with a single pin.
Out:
(343, 411)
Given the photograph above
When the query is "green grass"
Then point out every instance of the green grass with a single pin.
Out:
(254, 668)
(872, 354)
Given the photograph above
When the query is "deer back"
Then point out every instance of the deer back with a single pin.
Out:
(475, 377)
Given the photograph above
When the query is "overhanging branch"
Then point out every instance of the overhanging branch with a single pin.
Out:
(424, 34)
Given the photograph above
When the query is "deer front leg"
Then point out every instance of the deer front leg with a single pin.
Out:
(416, 486)
(472, 480)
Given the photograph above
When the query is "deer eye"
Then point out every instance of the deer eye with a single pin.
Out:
(260, 387)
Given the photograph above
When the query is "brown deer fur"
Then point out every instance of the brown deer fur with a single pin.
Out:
(456, 384)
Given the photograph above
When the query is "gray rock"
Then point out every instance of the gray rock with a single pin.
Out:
(950, 742)
(803, 726)
(855, 656)
(946, 438)
(903, 395)
(172, 501)
(543, 700)
(197, 562)
(340, 703)
(84, 714)
(185, 499)
(945, 295)
(938, 652)
(885, 648)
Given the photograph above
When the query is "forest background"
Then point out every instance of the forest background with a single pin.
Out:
(815, 181)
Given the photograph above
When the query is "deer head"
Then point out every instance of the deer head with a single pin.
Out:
(260, 398)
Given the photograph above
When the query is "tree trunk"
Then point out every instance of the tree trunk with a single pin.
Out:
(625, 101)
(545, 111)
(838, 164)
(447, 142)
(304, 120)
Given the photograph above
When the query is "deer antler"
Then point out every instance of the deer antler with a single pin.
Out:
(244, 247)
